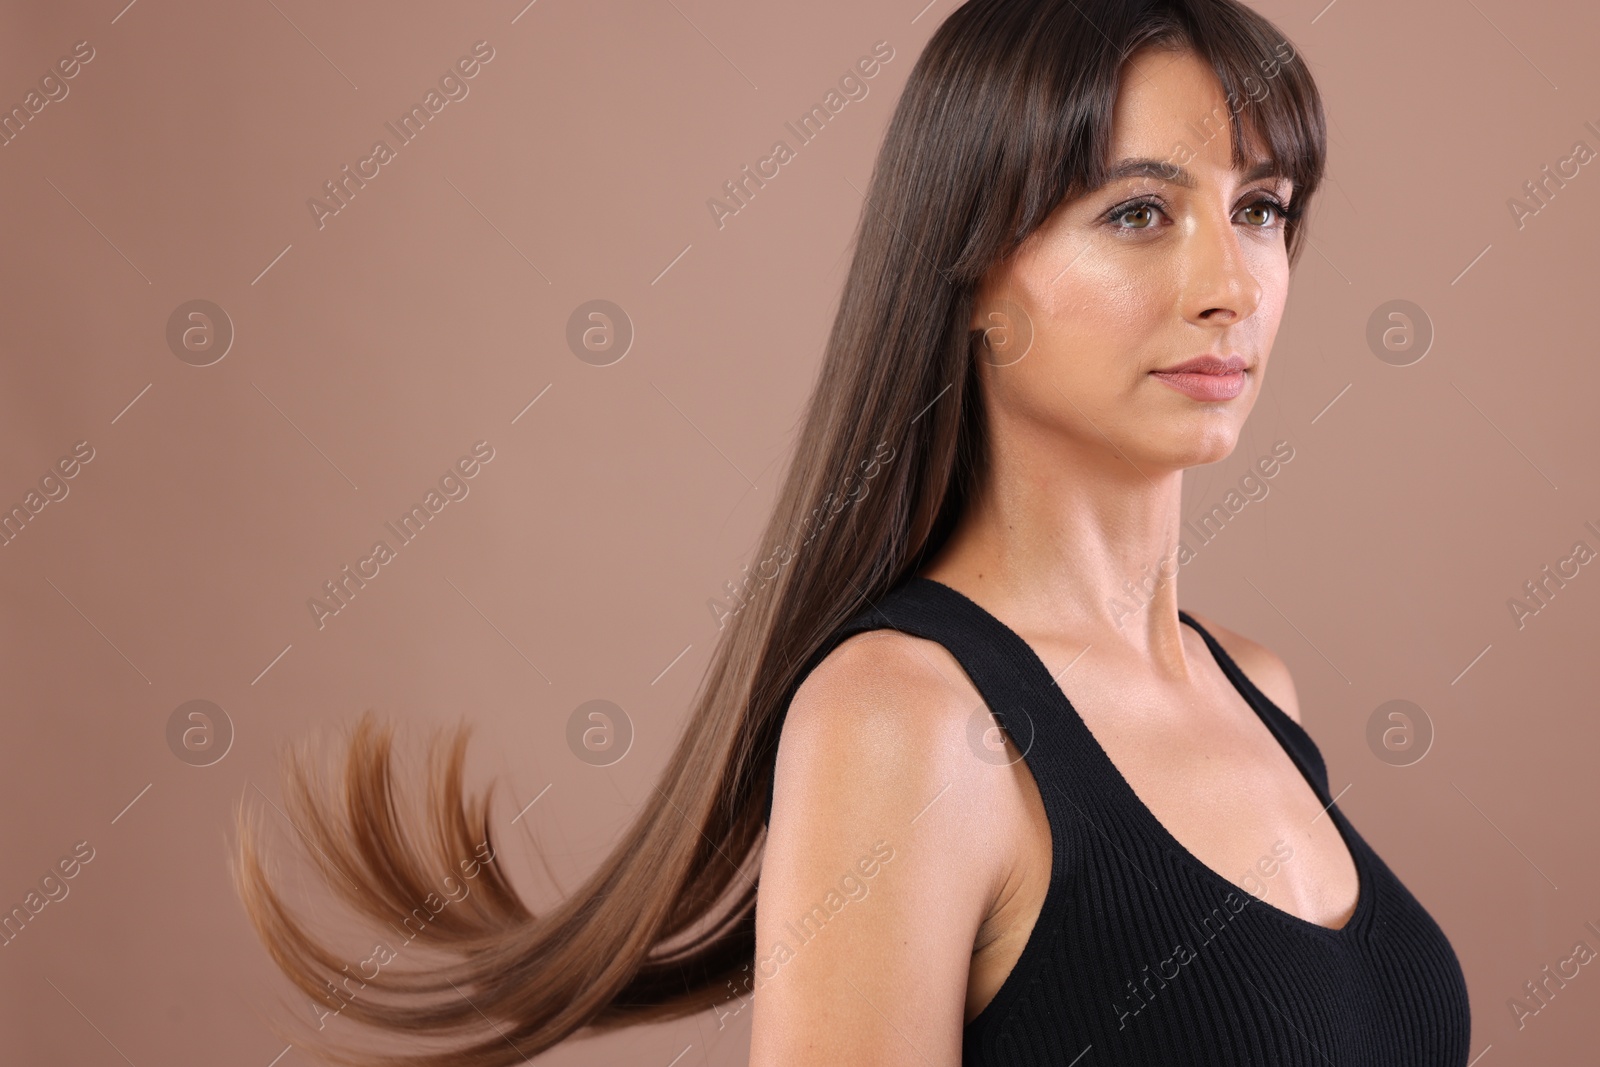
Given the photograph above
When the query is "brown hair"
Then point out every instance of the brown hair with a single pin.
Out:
(1006, 113)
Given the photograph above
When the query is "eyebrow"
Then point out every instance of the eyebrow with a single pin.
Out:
(1164, 170)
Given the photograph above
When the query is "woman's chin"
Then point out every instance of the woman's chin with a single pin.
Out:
(1210, 444)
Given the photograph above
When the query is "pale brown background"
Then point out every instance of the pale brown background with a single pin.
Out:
(430, 312)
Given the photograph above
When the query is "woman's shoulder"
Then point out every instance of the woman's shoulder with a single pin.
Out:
(1265, 669)
(895, 699)
(888, 729)
(875, 783)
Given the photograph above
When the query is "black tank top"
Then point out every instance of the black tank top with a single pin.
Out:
(1143, 955)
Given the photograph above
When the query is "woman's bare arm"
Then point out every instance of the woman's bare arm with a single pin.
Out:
(883, 858)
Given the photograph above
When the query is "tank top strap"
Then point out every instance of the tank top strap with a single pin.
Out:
(1290, 734)
(1009, 677)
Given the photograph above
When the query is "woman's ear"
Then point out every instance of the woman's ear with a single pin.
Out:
(1004, 323)
(983, 299)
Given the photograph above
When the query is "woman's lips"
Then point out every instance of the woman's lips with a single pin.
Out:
(1224, 386)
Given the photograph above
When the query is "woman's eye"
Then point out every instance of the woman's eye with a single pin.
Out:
(1279, 215)
(1140, 215)
(1258, 206)
(1141, 207)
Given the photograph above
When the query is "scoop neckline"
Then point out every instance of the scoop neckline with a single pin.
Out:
(1257, 701)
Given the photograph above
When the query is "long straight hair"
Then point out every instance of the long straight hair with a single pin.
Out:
(1006, 114)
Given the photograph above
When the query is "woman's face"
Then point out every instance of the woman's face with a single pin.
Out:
(1139, 276)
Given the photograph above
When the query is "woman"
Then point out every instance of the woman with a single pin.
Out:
(1068, 275)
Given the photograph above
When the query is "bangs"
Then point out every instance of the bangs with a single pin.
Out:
(1267, 112)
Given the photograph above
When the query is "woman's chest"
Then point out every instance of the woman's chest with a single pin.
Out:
(1203, 764)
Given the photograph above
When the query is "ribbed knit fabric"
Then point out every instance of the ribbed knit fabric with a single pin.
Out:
(1141, 954)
